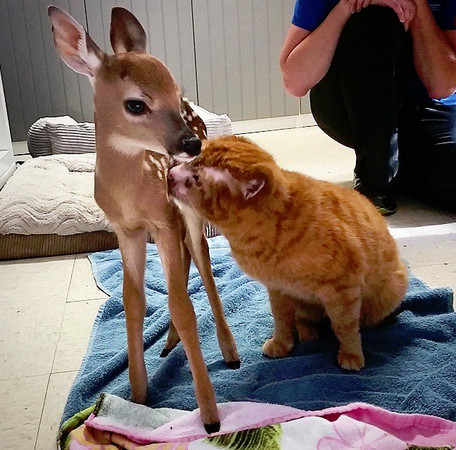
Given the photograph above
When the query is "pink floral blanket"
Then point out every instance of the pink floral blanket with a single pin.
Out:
(261, 426)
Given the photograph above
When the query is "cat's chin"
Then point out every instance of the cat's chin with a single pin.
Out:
(179, 199)
(176, 196)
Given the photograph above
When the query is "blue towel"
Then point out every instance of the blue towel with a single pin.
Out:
(410, 360)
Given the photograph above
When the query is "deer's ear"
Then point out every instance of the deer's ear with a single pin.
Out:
(73, 44)
(127, 34)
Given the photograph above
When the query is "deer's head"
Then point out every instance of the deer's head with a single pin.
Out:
(136, 100)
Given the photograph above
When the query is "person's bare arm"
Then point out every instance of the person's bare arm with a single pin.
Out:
(306, 56)
(434, 53)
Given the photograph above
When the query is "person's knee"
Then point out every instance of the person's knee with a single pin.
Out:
(376, 22)
(375, 41)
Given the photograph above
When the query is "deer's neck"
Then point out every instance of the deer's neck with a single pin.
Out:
(116, 158)
(130, 185)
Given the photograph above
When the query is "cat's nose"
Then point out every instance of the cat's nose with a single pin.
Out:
(180, 175)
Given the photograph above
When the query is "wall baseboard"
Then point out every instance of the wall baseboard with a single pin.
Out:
(20, 148)
(273, 123)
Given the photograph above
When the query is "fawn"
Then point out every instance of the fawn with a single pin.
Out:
(139, 127)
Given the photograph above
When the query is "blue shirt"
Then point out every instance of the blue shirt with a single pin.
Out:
(309, 14)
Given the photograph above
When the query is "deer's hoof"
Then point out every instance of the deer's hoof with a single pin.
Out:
(233, 365)
(165, 352)
(212, 427)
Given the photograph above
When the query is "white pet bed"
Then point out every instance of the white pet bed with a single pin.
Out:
(48, 208)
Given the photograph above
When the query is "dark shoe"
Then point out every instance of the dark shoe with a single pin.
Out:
(383, 201)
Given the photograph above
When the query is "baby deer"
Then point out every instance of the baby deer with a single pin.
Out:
(139, 127)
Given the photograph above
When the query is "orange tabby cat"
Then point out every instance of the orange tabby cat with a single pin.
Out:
(321, 250)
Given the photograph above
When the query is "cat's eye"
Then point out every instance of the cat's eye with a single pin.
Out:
(135, 107)
(196, 177)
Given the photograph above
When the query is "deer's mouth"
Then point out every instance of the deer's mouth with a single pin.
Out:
(181, 158)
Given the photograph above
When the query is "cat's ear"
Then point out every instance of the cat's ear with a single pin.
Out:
(250, 188)
(261, 181)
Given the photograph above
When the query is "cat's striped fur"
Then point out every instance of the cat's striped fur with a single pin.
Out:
(321, 250)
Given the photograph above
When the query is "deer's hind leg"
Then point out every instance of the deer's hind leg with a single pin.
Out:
(195, 247)
(197, 244)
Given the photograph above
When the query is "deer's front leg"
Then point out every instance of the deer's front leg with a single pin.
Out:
(173, 337)
(133, 249)
(183, 317)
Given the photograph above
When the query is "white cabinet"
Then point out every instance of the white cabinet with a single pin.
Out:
(7, 164)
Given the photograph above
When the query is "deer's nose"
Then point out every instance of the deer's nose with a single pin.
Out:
(192, 145)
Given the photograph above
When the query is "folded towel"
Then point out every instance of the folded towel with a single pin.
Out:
(117, 412)
(410, 359)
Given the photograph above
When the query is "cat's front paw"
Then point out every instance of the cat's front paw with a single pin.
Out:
(276, 349)
(351, 361)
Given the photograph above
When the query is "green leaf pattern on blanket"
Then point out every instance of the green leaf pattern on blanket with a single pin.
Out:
(265, 438)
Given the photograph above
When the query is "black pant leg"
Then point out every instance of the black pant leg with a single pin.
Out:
(357, 102)
(427, 142)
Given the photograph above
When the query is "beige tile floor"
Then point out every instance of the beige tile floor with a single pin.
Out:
(48, 304)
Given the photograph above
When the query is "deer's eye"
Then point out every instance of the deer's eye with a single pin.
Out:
(136, 107)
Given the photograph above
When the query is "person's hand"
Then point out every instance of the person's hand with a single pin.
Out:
(357, 5)
(405, 9)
